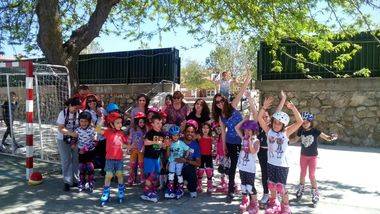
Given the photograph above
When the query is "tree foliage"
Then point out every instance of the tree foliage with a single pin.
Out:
(195, 76)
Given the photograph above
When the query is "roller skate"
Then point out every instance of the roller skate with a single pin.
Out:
(253, 207)
(130, 180)
(121, 193)
(179, 193)
(81, 186)
(90, 187)
(285, 209)
(314, 197)
(273, 207)
(299, 192)
(105, 196)
(199, 181)
(170, 193)
(263, 201)
(150, 196)
(223, 186)
(244, 204)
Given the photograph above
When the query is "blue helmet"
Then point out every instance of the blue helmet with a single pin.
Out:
(174, 130)
(112, 107)
(307, 116)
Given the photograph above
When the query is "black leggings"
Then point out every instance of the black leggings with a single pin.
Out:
(233, 153)
(263, 160)
(189, 174)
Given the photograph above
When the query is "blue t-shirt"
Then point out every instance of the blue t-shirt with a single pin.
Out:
(231, 136)
(194, 150)
(177, 150)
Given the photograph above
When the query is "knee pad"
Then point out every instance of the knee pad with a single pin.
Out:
(82, 167)
(141, 165)
(180, 179)
(90, 167)
(200, 172)
(243, 189)
(171, 176)
(271, 186)
(280, 188)
(209, 172)
(132, 165)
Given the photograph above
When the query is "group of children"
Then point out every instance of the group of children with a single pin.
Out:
(158, 152)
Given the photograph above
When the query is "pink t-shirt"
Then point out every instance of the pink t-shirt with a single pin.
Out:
(114, 144)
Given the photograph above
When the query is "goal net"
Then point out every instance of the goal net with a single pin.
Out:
(50, 88)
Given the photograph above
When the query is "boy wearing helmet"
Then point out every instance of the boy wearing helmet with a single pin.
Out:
(115, 138)
(136, 142)
(278, 132)
(309, 152)
(248, 131)
(178, 149)
(86, 144)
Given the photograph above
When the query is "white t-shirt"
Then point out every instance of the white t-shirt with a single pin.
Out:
(277, 148)
(247, 161)
(72, 122)
(225, 86)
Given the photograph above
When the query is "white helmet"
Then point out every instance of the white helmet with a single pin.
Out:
(282, 117)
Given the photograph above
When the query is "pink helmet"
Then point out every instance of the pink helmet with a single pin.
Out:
(192, 123)
(154, 110)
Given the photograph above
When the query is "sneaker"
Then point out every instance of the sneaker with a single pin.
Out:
(2, 148)
(66, 187)
(193, 194)
(81, 187)
(150, 197)
(264, 199)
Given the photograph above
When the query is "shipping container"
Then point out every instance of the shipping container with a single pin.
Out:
(128, 67)
(368, 57)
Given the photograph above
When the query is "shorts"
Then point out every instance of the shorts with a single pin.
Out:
(87, 157)
(277, 174)
(247, 178)
(206, 161)
(136, 155)
(151, 166)
(114, 166)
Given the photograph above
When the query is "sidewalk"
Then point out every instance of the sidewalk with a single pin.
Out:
(348, 183)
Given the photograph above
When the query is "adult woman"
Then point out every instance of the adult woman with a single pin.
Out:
(226, 113)
(191, 163)
(178, 111)
(200, 112)
(68, 121)
(142, 103)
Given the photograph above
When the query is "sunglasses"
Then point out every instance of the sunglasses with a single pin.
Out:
(177, 98)
(219, 101)
(90, 101)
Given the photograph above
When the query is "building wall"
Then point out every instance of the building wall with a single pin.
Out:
(348, 107)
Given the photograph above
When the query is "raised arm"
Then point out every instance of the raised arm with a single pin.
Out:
(295, 126)
(236, 100)
(238, 130)
(282, 101)
(266, 105)
(252, 106)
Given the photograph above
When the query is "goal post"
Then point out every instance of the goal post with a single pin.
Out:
(42, 89)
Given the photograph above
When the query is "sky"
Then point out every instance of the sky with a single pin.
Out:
(169, 39)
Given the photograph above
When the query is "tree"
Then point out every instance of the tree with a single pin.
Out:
(194, 77)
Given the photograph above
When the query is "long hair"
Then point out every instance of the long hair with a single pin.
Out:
(146, 102)
(217, 112)
(205, 109)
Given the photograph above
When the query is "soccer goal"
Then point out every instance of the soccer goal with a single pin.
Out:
(32, 95)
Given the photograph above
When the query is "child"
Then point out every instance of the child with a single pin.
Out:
(278, 133)
(309, 152)
(115, 138)
(86, 146)
(205, 144)
(248, 130)
(136, 140)
(8, 119)
(153, 143)
(221, 159)
(178, 149)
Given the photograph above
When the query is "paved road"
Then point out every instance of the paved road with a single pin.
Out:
(348, 181)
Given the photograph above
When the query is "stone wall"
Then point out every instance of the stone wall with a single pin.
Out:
(348, 107)
(124, 94)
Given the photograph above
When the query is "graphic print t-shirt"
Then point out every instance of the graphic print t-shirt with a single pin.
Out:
(309, 141)
(153, 151)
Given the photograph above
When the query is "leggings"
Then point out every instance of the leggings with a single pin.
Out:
(233, 153)
(308, 161)
(263, 160)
